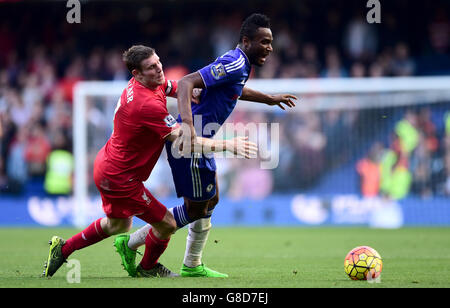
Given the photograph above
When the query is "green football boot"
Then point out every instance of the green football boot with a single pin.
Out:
(158, 271)
(55, 258)
(200, 271)
(127, 254)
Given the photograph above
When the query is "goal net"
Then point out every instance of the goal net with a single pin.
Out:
(346, 140)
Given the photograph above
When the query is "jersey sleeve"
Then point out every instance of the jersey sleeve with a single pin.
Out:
(158, 120)
(170, 87)
(223, 70)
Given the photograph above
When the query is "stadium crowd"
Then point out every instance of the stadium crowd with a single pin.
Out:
(42, 57)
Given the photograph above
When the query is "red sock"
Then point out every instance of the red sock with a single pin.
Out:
(154, 248)
(89, 236)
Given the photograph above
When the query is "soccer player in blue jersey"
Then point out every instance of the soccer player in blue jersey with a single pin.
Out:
(223, 82)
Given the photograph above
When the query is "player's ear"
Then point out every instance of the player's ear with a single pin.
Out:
(135, 72)
(246, 42)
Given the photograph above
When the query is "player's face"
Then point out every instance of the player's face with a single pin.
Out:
(260, 47)
(151, 73)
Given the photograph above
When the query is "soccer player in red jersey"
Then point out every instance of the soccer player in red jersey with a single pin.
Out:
(142, 124)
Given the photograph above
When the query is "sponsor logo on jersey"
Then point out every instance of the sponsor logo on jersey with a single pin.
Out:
(218, 71)
(210, 187)
(170, 121)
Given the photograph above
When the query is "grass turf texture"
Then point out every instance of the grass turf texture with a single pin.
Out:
(253, 258)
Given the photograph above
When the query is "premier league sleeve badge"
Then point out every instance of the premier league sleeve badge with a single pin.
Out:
(218, 71)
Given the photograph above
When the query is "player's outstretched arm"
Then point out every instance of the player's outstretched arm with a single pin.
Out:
(272, 100)
(240, 146)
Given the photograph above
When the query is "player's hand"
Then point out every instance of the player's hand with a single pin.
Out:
(187, 139)
(196, 95)
(241, 147)
(280, 99)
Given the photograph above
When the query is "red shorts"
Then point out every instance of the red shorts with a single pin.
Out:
(125, 202)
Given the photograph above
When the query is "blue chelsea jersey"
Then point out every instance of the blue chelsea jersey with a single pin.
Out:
(224, 80)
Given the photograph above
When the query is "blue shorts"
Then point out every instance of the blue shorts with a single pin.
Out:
(194, 177)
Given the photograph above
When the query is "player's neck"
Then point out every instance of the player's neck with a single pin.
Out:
(145, 84)
(242, 48)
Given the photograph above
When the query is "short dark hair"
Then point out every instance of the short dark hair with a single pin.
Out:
(252, 23)
(134, 56)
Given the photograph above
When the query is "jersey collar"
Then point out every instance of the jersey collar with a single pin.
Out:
(242, 52)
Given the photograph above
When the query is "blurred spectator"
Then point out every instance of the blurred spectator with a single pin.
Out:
(376, 70)
(310, 61)
(402, 64)
(439, 31)
(115, 67)
(17, 166)
(437, 60)
(368, 169)
(334, 68)
(361, 41)
(421, 161)
(58, 113)
(428, 128)
(72, 75)
(358, 70)
(395, 176)
(31, 94)
(407, 132)
(309, 145)
(95, 67)
(282, 182)
(20, 113)
(58, 176)
(37, 149)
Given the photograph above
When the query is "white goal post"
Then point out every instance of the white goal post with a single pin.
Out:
(314, 94)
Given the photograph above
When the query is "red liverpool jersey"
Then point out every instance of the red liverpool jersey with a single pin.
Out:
(141, 122)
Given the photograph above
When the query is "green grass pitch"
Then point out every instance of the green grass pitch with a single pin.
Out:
(253, 257)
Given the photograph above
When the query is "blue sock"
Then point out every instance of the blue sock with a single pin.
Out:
(181, 216)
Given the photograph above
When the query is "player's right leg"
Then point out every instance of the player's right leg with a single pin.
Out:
(163, 226)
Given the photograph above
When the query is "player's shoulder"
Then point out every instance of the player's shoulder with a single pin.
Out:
(232, 61)
(233, 56)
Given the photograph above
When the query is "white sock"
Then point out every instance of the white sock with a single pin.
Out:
(137, 238)
(196, 240)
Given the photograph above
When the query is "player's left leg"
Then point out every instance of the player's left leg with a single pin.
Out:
(97, 231)
(198, 235)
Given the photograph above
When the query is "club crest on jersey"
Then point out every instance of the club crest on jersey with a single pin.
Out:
(218, 71)
(170, 121)
(146, 198)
